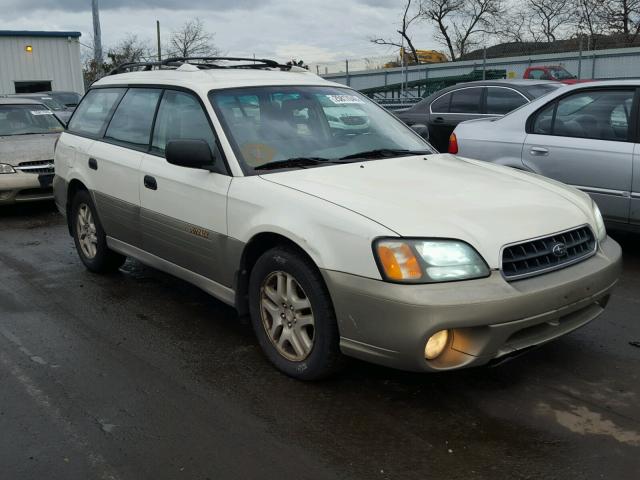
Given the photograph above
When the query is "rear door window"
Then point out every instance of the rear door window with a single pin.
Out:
(501, 101)
(466, 100)
(93, 113)
(131, 123)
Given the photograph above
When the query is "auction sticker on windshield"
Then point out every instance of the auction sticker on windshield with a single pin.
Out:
(41, 112)
(338, 99)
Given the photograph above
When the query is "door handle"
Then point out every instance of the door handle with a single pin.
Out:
(438, 120)
(538, 151)
(93, 164)
(150, 182)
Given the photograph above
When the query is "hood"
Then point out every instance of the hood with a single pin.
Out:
(15, 149)
(445, 196)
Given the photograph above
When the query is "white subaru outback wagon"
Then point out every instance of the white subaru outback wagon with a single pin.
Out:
(230, 174)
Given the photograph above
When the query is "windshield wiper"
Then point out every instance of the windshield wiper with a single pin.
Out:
(296, 162)
(385, 153)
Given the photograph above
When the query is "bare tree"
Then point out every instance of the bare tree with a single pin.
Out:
(129, 49)
(591, 19)
(461, 24)
(514, 26)
(551, 18)
(411, 15)
(622, 17)
(192, 40)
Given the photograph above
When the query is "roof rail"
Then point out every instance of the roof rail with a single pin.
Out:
(203, 63)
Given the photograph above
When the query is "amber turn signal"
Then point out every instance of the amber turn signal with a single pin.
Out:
(398, 261)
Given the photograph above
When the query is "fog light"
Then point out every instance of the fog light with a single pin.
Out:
(436, 344)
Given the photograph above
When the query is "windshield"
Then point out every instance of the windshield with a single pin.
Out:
(266, 125)
(27, 119)
(561, 74)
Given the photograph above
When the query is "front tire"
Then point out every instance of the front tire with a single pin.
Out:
(90, 238)
(292, 315)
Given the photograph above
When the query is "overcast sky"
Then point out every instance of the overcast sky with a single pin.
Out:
(314, 30)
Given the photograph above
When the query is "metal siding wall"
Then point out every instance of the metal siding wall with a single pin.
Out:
(54, 59)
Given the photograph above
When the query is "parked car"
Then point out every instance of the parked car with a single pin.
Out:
(443, 110)
(68, 99)
(28, 132)
(584, 135)
(368, 244)
(60, 110)
(553, 72)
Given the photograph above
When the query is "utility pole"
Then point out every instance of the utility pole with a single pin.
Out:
(159, 47)
(97, 36)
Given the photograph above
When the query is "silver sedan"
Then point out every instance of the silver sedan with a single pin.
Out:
(585, 135)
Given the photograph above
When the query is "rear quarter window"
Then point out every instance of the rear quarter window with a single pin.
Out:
(441, 105)
(95, 110)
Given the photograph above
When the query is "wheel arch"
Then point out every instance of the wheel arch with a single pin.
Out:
(74, 187)
(254, 248)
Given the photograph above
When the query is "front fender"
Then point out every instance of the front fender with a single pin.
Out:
(335, 238)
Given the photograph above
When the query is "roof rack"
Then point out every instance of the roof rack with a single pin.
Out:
(203, 63)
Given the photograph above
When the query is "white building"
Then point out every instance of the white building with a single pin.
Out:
(40, 61)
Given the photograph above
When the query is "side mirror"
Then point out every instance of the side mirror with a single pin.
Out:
(421, 130)
(190, 154)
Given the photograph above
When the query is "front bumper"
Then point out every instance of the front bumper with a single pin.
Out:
(488, 318)
(25, 187)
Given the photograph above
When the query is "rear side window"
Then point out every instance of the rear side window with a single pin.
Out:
(181, 117)
(93, 113)
(466, 100)
(441, 105)
(131, 123)
(598, 115)
(501, 101)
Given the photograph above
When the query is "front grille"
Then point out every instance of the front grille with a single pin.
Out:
(353, 120)
(40, 166)
(541, 255)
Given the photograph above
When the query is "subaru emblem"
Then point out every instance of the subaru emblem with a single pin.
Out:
(559, 249)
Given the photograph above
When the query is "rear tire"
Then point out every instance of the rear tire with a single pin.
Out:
(90, 238)
(292, 315)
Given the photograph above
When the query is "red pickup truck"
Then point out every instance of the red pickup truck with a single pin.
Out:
(557, 73)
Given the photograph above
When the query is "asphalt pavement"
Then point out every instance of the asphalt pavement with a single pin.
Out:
(139, 375)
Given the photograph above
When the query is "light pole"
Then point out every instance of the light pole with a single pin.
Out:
(97, 36)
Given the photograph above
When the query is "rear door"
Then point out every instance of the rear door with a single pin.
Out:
(114, 163)
(109, 171)
(584, 139)
(450, 109)
(184, 218)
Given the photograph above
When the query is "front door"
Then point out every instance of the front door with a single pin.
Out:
(184, 210)
(584, 140)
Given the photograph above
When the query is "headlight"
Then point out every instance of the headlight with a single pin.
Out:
(601, 231)
(4, 168)
(428, 260)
